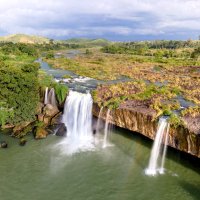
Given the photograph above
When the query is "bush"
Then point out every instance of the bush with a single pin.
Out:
(61, 92)
(50, 55)
(175, 120)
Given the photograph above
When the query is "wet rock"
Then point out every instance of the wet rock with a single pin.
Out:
(47, 120)
(50, 129)
(20, 127)
(57, 119)
(3, 144)
(62, 130)
(40, 133)
(40, 117)
(49, 112)
(22, 141)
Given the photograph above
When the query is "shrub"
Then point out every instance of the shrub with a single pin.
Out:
(61, 92)
(175, 120)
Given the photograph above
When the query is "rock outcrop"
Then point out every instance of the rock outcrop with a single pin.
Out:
(62, 130)
(140, 119)
(40, 133)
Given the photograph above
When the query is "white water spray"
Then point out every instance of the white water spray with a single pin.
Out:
(52, 97)
(105, 143)
(46, 96)
(99, 120)
(161, 171)
(158, 148)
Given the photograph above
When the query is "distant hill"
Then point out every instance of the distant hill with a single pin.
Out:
(87, 42)
(32, 39)
(22, 38)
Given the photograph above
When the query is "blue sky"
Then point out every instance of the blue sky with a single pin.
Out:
(111, 19)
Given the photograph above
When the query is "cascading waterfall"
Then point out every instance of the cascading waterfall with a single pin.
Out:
(46, 96)
(161, 171)
(52, 97)
(99, 120)
(105, 143)
(158, 148)
(77, 118)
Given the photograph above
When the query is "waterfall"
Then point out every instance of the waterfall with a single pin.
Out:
(46, 96)
(99, 120)
(78, 114)
(106, 129)
(164, 150)
(78, 120)
(52, 97)
(158, 149)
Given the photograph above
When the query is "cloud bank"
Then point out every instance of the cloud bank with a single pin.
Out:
(112, 19)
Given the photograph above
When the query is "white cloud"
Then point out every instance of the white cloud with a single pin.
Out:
(125, 17)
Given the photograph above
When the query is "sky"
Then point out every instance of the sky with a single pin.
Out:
(111, 19)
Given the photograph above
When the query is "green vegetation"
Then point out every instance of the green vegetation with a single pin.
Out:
(175, 120)
(191, 111)
(44, 79)
(61, 92)
(5, 113)
(19, 89)
(159, 98)
(85, 43)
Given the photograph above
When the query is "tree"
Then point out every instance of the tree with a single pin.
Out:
(20, 91)
(196, 53)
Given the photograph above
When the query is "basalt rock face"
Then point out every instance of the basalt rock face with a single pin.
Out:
(140, 119)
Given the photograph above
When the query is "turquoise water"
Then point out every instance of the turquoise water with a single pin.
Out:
(42, 170)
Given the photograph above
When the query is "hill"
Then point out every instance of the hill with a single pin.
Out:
(88, 42)
(22, 38)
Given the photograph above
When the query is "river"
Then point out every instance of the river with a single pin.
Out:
(40, 170)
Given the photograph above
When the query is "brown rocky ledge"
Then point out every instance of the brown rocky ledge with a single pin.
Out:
(140, 119)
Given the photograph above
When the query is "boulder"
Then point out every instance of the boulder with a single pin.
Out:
(22, 142)
(62, 130)
(57, 119)
(94, 131)
(50, 110)
(8, 126)
(40, 133)
(3, 144)
(40, 117)
(47, 120)
(20, 127)
(39, 108)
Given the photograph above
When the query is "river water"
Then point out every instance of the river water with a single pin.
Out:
(42, 170)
